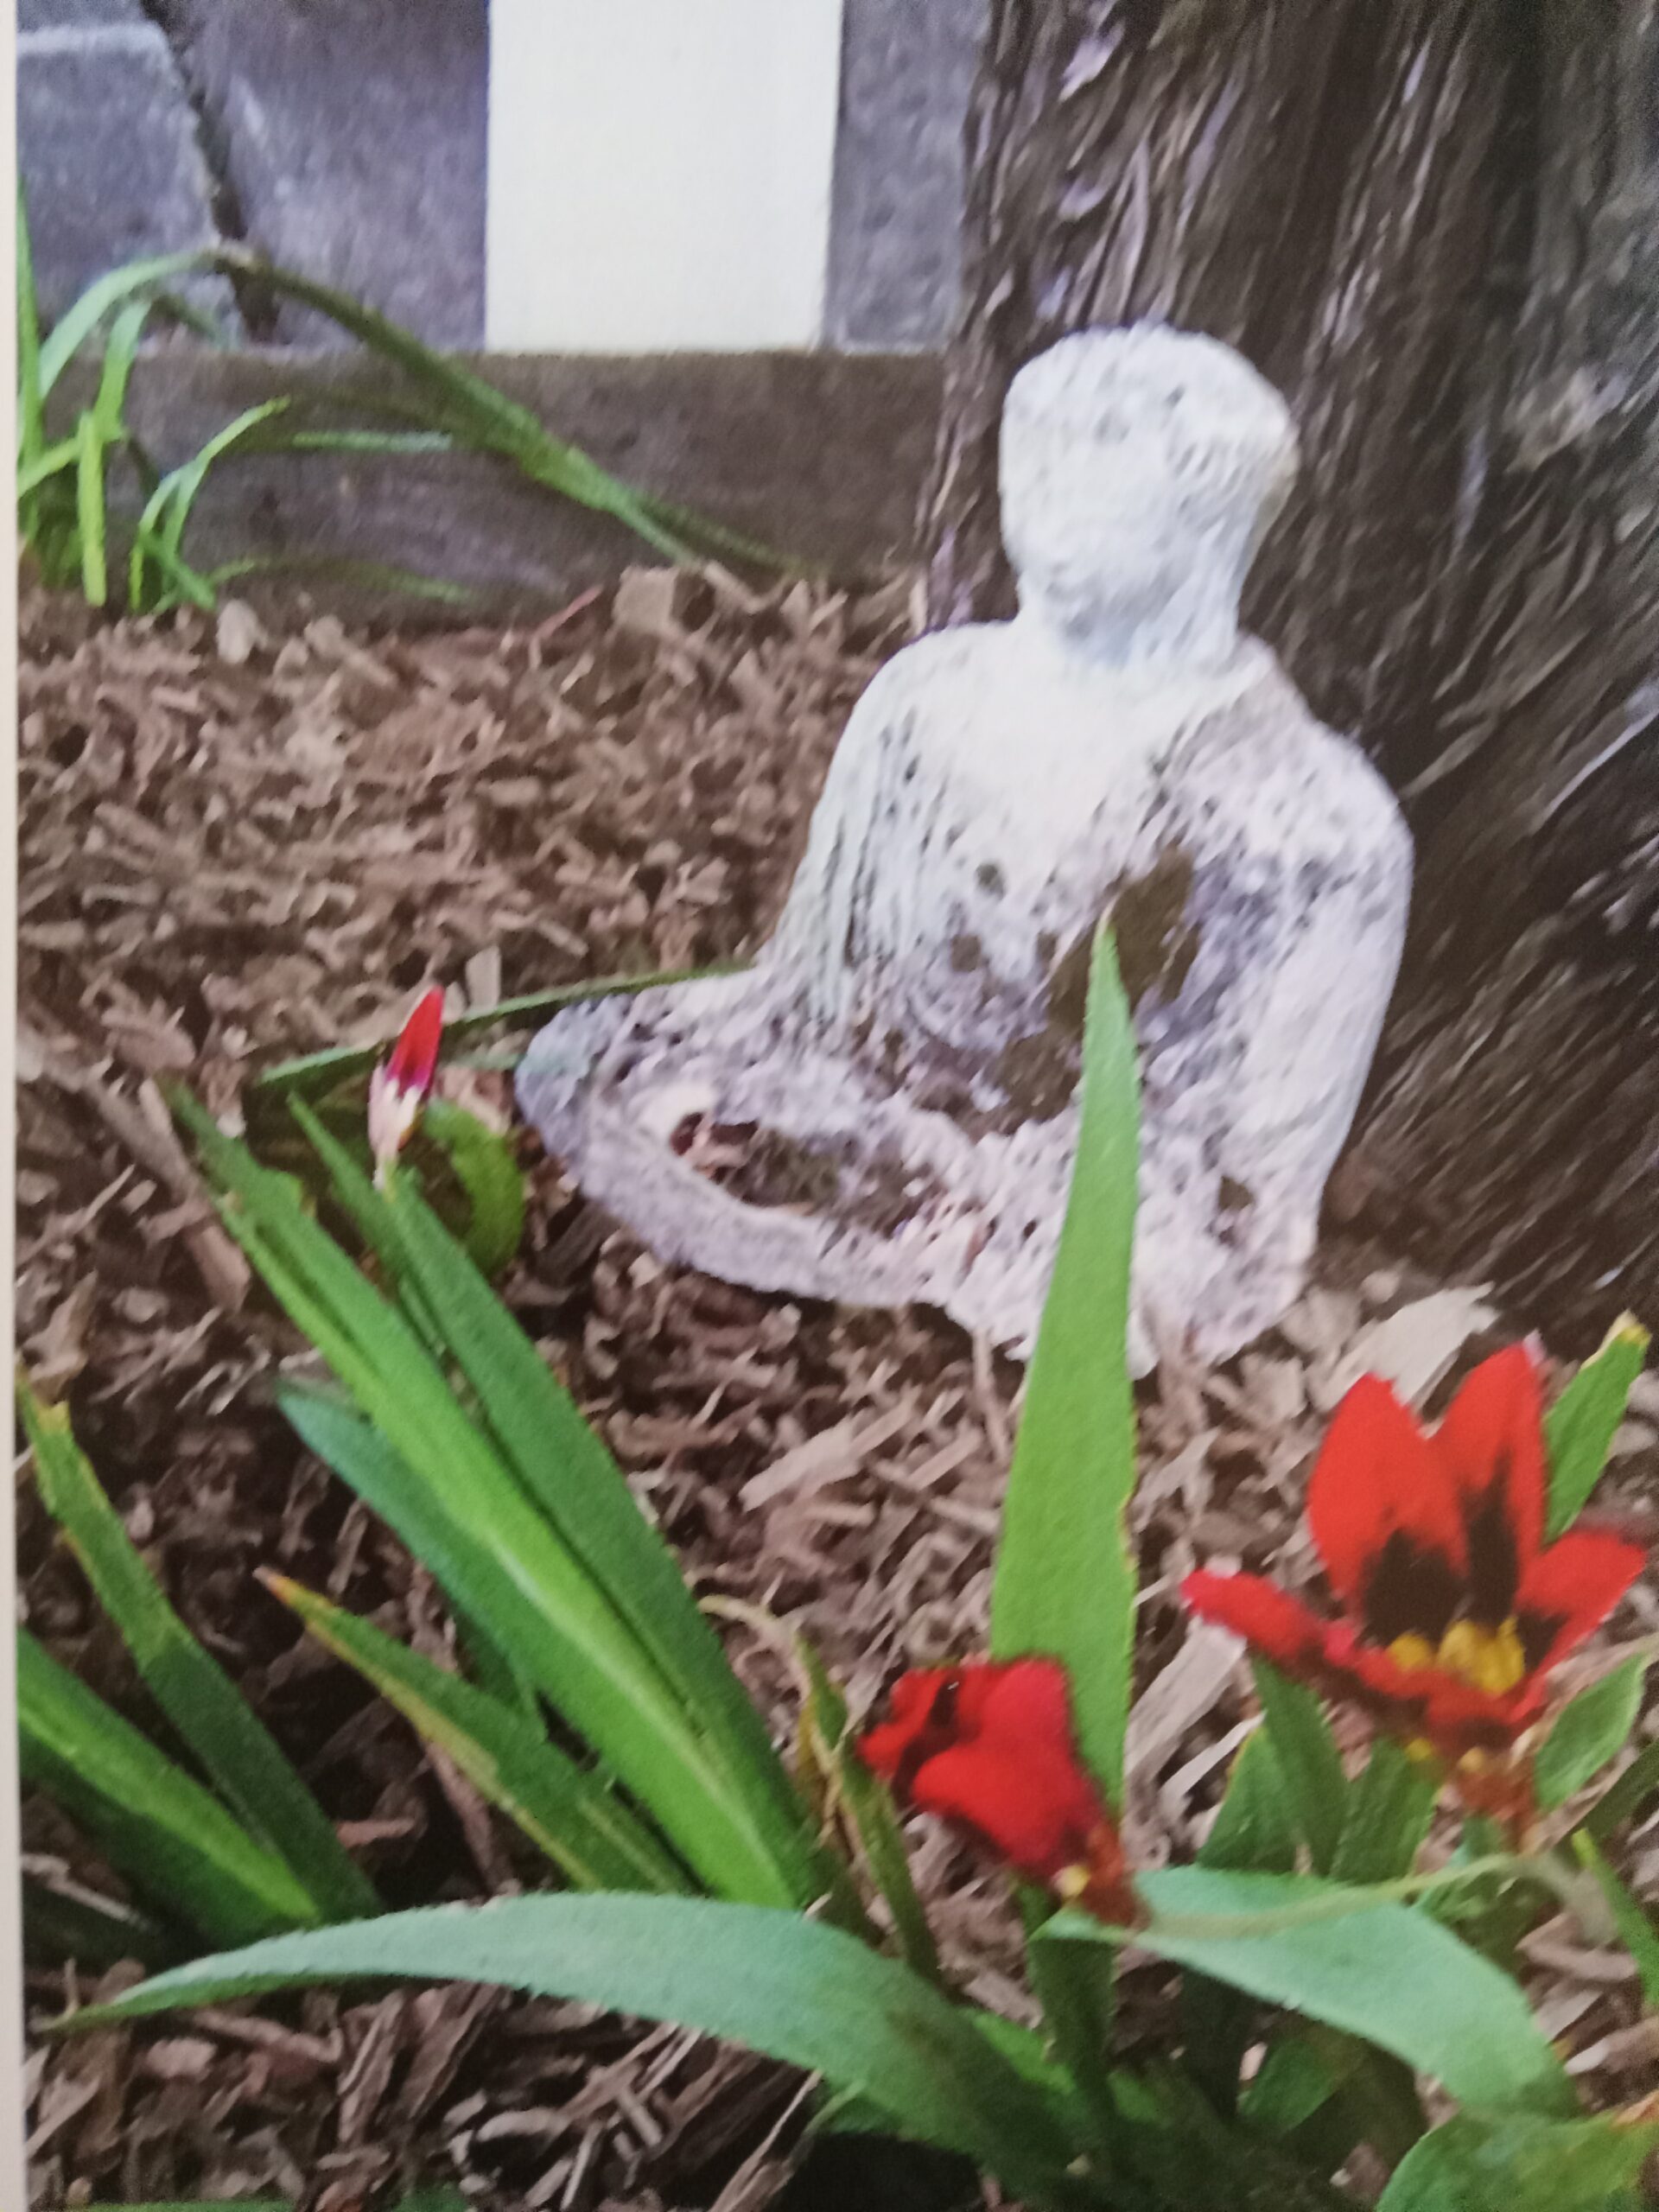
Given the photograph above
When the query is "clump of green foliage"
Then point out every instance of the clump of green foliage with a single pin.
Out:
(710, 1883)
(433, 404)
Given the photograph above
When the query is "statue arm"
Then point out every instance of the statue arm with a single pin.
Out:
(1249, 1108)
(1311, 1008)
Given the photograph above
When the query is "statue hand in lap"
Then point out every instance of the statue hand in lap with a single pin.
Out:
(884, 1107)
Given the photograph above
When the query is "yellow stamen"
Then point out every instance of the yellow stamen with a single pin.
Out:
(1490, 1659)
(1071, 1883)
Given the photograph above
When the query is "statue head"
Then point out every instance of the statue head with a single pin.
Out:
(1141, 467)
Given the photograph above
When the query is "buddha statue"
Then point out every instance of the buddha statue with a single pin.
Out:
(883, 1107)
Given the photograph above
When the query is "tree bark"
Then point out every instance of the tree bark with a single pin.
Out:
(1429, 224)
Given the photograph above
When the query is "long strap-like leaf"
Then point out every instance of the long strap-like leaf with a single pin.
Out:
(1065, 1569)
(450, 1494)
(570, 1814)
(570, 1479)
(176, 1844)
(234, 1746)
(786, 1986)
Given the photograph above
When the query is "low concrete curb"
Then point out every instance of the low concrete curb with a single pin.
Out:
(821, 455)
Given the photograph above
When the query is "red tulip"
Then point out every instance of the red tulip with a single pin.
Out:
(989, 1747)
(401, 1084)
(1453, 1608)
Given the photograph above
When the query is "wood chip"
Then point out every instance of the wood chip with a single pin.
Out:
(833, 1455)
(1414, 1346)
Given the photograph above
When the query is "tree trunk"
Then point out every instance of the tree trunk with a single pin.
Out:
(1431, 224)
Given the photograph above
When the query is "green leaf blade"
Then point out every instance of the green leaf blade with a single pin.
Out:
(1370, 1965)
(235, 1748)
(1590, 1731)
(90, 519)
(1308, 1760)
(1471, 2164)
(471, 1555)
(1388, 1811)
(1635, 1787)
(315, 1074)
(1253, 1832)
(869, 1803)
(173, 1842)
(569, 1475)
(1636, 1929)
(76, 325)
(788, 1986)
(578, 1495)
(567, 1812)
(486, 1167)
(441, 1482)
(1579, 1427)
(1066, 1572)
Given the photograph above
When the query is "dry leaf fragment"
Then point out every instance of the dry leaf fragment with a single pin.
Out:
(831, 1456)
(1415, 1346)
(58, 1353)
(1181, 1695)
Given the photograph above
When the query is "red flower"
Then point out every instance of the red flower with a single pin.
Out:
(1454, 1608)
(401, 1084)
(989, 1747)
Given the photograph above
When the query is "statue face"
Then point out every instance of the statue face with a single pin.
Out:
(1094, 527)
(1138, 468)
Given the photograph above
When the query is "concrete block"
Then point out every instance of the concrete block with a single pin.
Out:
(352, 136)
(895, 239)
(109, 153)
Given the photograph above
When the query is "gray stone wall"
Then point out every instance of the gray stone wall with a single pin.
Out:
(108, 144)
(347, 138)
(350, 140)
(895, 237)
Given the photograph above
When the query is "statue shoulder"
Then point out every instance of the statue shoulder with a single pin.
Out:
(933, 672)
(1309, 789)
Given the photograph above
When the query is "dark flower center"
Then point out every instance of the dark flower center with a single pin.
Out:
(1410, 1590)
(1494, 1569)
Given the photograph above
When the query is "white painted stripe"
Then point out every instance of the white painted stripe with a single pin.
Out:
(90, 38)
(659, 172)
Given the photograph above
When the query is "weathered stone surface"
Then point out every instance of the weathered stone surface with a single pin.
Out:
(899, 1068)
(78, 15)
(353, 138)
(822, 454)
(107, 146)
(895, 248)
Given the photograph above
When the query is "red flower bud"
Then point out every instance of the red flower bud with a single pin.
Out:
(989, 1747)
(401, 1084)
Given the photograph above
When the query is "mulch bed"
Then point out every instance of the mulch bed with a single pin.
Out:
(238, 846)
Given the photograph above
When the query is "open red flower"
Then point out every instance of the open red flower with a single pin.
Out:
(401, 1084)
(1454, 1609)
(989, 1746)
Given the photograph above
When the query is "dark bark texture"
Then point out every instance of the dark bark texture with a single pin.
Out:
(1434, 226)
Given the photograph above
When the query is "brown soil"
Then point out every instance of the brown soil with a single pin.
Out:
(237, 847)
